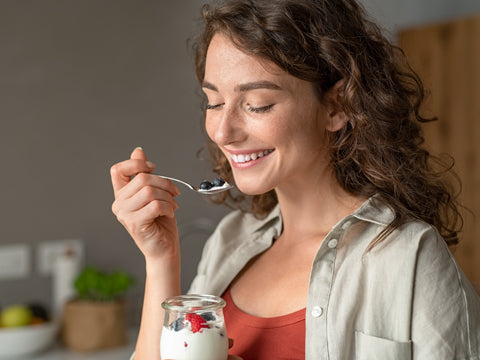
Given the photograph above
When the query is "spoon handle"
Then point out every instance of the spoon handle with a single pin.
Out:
(179, 181)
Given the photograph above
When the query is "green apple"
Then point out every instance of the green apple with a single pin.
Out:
(16, 315)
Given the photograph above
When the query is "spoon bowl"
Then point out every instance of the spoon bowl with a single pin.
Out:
(210, 191)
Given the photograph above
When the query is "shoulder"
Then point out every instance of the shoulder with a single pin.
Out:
(415, 244)
(408, 238)
(428, 287)
(445, 307)
(239, 226)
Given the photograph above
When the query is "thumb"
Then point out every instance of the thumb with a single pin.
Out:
(138, 154)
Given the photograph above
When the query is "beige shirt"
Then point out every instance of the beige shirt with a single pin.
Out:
(405, 299)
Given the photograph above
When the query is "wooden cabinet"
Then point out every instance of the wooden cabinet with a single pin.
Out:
(447, 57)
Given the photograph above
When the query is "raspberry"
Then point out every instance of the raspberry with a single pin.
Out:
(197, 322)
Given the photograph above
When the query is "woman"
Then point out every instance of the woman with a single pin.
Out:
(339, 250)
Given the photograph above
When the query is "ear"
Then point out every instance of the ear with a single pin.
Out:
(334, 101)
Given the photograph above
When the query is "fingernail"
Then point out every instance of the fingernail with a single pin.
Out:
(150, 165)
(138, 148)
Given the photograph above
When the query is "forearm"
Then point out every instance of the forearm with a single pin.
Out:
(162, 281)
(145, 205)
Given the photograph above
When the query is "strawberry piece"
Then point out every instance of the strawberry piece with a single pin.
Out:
(197, 322)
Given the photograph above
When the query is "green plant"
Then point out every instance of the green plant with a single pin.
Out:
(94, 285)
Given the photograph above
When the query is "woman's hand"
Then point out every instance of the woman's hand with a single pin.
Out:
(232, 357)
(145, 205)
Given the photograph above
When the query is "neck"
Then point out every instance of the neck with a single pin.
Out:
(311, 208)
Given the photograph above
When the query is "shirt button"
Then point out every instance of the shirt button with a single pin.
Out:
(332, 244)
(317, 311)
(346, 224)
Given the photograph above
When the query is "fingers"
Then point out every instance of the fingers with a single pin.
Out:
(141, 194)
(122, 172)
(232, 357)
(146, 197)
(138, 154)
(143, 180)
(145, 224)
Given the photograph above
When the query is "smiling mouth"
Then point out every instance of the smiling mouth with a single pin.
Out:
(243, 158)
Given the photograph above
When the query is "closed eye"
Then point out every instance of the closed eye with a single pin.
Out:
(261, 109)
(212, 107)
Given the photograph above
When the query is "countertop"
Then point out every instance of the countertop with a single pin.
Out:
(58, 352)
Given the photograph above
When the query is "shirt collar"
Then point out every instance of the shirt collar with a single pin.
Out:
(272, 220)
(372, 210)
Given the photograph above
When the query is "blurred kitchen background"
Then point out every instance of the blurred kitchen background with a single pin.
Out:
(82, 83)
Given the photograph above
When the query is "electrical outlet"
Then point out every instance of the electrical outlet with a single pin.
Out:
(48, 251)
(14, 261)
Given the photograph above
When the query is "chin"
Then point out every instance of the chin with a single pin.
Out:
(252, 189)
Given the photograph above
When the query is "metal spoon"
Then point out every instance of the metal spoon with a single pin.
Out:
(214, 190)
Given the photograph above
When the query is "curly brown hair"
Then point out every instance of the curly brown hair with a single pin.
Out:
(380, 150)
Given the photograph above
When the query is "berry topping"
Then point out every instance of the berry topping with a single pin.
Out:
(197, 322)
(218, 182)
(205, 185)
(208, 316)
(178, 324)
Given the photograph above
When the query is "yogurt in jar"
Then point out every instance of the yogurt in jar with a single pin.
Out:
(192, 333)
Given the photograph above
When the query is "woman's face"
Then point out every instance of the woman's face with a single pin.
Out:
(270, 125)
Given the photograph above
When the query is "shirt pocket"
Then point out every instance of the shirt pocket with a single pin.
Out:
(369, 347)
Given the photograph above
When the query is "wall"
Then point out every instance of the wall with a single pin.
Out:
(396, 15)
(83, 82)
(446, 56)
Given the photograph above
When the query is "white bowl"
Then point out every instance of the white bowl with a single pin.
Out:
(26, 340)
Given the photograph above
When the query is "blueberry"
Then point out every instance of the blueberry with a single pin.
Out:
(208, 316)
(178, 324)
(205, 185)
(218, 181)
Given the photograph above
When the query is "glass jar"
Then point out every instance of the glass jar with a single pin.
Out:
(194, 328)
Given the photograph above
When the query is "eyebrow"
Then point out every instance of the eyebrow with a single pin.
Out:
(247, 86)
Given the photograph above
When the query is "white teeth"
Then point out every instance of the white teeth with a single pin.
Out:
(248, 157)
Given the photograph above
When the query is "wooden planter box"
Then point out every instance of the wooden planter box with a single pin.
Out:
(88, 326)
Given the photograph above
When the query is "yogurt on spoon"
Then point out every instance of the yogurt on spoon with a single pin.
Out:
(217, 184)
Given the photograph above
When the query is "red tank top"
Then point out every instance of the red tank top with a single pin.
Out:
(276, 338)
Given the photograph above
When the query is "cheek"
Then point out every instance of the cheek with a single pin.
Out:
(304, 133)
(209, 127)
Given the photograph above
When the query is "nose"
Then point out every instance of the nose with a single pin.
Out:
(224, 126)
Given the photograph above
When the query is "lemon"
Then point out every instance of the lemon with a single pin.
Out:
(16, 315)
